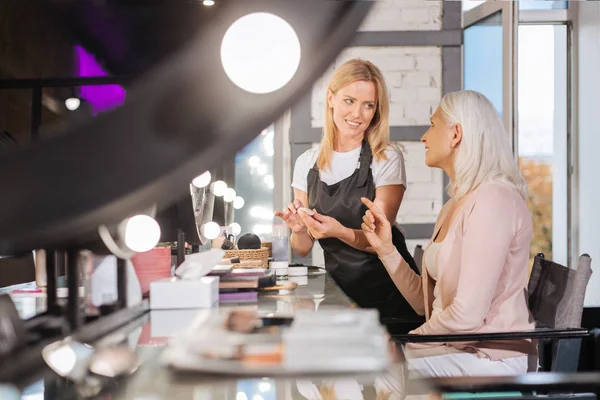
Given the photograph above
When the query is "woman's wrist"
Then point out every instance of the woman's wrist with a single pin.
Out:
(385, 251)
(303, 232)
(347, 235)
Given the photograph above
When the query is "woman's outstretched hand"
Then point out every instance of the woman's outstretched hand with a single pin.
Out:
(291, 217)
(377, 229)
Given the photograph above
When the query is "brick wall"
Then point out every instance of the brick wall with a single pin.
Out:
(423, 199)
(404, 15)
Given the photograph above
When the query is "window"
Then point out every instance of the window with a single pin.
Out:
(483, 59)
(523, 4)
(542, 134)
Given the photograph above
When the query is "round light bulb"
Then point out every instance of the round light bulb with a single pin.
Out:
(229, 195)
(262, 169)
(219, 188)
(72, 103)
(254, 161)
(238, 202)
(202, 180)
(208, 2)
(260, 52)
(235, 228)
(211, 230)
(142, 233)
(62, 360)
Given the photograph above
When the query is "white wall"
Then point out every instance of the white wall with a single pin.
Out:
(588, 103)
(404, 15)
(423, 199)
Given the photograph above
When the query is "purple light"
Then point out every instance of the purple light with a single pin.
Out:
(101, 97)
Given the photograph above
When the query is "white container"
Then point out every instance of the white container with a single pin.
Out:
(175, 293)
(298, 271)
(280, 268)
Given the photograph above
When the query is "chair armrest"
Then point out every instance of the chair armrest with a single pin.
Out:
(538, 382)
(542, 333)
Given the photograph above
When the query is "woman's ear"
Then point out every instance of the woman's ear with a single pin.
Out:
(457, 134)
(330, 97)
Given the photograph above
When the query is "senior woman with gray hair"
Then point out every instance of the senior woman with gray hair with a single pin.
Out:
(475, 267)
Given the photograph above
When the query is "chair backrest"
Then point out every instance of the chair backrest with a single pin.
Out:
(418, 256)
(556, 293)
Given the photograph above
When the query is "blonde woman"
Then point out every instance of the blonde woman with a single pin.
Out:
(354, 160)
(475, 268)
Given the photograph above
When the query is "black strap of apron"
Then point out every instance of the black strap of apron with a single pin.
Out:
(364, 161)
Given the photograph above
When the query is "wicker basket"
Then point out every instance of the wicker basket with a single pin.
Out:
(269, 246)
(254, 254)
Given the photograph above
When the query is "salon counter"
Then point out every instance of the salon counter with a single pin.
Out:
(148, 336)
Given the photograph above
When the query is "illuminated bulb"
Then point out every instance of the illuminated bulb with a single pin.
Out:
(63, 360)
(202, 180)
(254, 161)
(211, 230)
(241, 396)
(257, 397)
(256, 211)
(72, 103)
(260, 52)
(238, 202)
(268, 179)
(219, 188)
(262, 169)
(208, 2)
(271, 185)
(259, 229)
(264, 386)
(142, 233)
(229, 195)
(259, 212)
(235, 228)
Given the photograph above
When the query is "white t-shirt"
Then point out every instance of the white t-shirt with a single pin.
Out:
(385, 172)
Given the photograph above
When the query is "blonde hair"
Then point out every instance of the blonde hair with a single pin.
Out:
(485, 153)
(378, 132)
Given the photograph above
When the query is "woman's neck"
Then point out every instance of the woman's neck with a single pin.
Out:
(450, 172)
(343, 145)
(448, 168)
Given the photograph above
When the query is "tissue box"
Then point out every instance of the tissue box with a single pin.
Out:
(175, 293)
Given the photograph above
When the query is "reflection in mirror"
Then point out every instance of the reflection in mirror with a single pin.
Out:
(254, 182)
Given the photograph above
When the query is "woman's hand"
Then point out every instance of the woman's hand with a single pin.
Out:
(377, 229)
(321, 226)
(291, 217)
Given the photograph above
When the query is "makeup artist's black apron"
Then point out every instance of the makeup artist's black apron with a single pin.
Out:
(360, 274)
